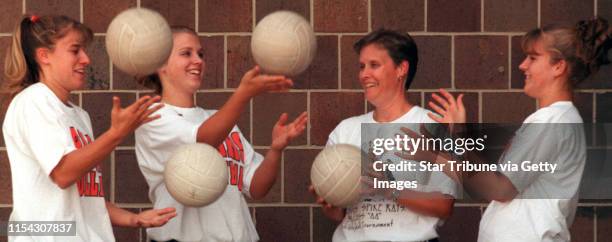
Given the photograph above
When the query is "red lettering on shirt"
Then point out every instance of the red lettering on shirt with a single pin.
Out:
(233, 151)
(90, 184)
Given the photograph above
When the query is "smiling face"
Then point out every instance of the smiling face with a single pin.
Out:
(65, 64)
(185, 67)
(380, 78)
(539, 72)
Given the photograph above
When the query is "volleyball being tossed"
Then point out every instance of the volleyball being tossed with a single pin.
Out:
(138, 41)
(283, 42)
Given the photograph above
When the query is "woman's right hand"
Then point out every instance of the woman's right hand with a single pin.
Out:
(126, 120)
(254, 83)
(451, 112)
(332, 212)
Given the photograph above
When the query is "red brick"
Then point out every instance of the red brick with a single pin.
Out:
(5, 213)
(453, 16)
(265, 7)
(327, 109)
(510, 15)
(349, 62)
(274, 194)
(10, 11)
(175, 12)
(323, 70)
(106, 177)
(126, 233)
(283, 223)
(322, 227)
(517, 78)
(584, 102)
(492, 111)
(130, 186)
(214, 100)
(462, 225)
(297, 175)
(470, 101)
(434, 67)
(5, 43)
(228, 16)
(603, 104)
(5, 180)
(98, 77)
(70, 8)
(353, 16)
(565, 11)
(481, 62)
(99, 106)
(268, 107)
(214, 59)
(399, 15)
(604, 9)
(4, 102)
(604, 223)
(239, 59)
(124, 81)
(582, 228)
(98, 14)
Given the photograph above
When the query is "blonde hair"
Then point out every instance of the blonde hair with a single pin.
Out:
(584, 46)
(31, 33)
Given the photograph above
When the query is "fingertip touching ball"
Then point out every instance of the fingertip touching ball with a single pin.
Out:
(138, 41)
(196, 175)
(284, 43)
(336, 173)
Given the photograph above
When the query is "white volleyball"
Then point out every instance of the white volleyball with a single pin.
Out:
(284, 43)
(196, 175)
(336, 173)
(138, 41)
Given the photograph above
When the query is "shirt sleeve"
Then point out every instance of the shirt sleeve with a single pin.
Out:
(536, 143)
(44, 132)
(252, 161)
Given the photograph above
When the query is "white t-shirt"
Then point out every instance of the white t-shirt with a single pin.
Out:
(226, 219)
(39, 130)
(377, 218)
(541, 219)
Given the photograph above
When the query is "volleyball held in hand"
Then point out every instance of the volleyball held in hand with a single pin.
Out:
(336, 173)
(138, 41)
(196, 175)
(284, 43)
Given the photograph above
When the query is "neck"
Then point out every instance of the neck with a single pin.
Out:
(558, 93)
(58, 90)
(178, 99)
(392, 110)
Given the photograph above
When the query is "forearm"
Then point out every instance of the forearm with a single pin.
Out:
(75, 164)
(428, 203)
(216, 128)
(265, 175)
(121, 217)
(490, 185)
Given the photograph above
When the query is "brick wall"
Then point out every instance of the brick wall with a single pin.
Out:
(469, 46)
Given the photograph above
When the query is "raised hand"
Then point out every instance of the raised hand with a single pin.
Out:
(154, 217)
(126, 120)
(452, 111)
(253, 83)
(283, 133)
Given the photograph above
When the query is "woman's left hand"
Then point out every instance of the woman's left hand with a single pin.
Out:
(283, 133)
(154, 217)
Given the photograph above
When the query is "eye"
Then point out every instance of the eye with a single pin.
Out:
(185, 53)
(201, 54)
(361, 66)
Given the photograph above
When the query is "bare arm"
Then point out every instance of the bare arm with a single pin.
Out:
(123, 121)
(216, 128)
(282, 134)
(144, 219)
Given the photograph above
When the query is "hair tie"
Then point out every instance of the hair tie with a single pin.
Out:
(34, 18)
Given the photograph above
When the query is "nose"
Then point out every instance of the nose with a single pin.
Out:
(84, 58)
(523, 66)
(198, 60)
